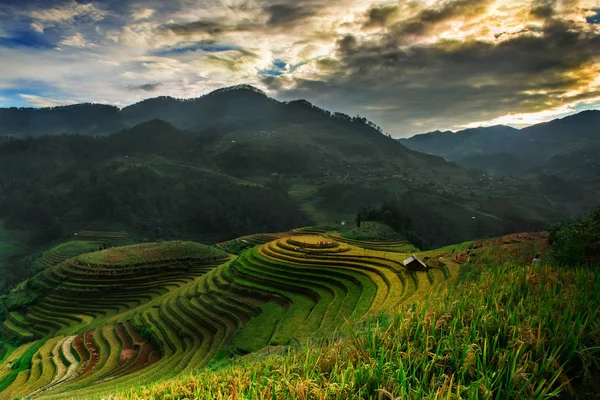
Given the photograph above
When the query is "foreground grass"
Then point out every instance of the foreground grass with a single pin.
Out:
(510, 332)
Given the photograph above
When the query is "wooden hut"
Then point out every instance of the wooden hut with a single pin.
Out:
(412, 263)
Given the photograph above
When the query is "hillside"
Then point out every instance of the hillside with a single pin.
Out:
(225, 108)
(155, 311)
(159, 177)
(456, 146)
(533, 145)
(563, 150)
(162, 311)
(453, 344)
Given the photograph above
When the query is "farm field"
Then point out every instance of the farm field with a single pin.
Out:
(498, 335)
(310, 313)
(162, 310)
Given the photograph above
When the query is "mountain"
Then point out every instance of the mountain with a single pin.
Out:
(457, 146)
(230, 106)
(236, 162)
(563, 151)
(92, 119)
(534, 145)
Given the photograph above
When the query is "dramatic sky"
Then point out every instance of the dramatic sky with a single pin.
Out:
(411, 66)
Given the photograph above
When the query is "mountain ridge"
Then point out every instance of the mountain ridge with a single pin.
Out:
(558, 153)
(183, 113)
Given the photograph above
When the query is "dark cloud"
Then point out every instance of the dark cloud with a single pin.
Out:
(429, 17)
(234, 62)
(347, 44)
(148, 87)
(381, 16)
(543, 8)
(528, 29)
(280, 15)
(204, 26)
(543, 11)
(288, 14)
(213, 28)
(446, 83)
(208, 46)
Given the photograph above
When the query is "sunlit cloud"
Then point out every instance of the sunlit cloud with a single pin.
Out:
(77, 40)
(143, 13)
(66, 13)
(39, 101)
(526, 119)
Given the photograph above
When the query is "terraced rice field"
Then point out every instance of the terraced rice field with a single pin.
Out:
(67, 250)
(103, 234)
(124, 317)
(237, 246)
(396, 246)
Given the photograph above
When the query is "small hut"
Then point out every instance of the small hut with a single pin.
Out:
(412, 263)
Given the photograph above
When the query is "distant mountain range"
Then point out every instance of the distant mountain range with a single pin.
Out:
(562, 155)
(147, 167)
(225, 108)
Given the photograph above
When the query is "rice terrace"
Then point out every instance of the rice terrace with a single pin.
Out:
(162, 311)
(155, 311)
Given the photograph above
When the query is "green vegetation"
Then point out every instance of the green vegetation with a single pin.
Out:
(514, 332)
(13, 251)
(307, 314)
(18, 365)
(159, 310)
(577, 242)
(66, 250)
(150, 253)
(391, 215)
(237, 172)
(369, 230)
(237, 246)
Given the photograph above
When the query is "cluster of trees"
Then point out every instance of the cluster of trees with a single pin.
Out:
(150, 205)
(337, 115)
(392, 215)
(55, 185)
(577, 242)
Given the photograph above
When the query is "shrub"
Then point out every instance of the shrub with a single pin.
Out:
(577, 242)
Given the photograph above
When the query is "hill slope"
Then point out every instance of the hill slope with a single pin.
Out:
(454, 344)
(155, 311)
(160, 178)
(534, 145)
(564, 150)
(155, 314)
